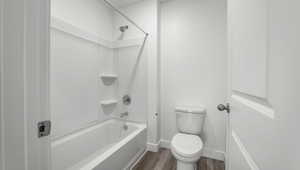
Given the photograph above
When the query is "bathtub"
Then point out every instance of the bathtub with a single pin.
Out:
(106, 146)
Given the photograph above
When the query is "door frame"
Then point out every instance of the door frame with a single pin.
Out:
(229, 93)
(45, 114)
(28, 28)
(228, 116)
(1, 96)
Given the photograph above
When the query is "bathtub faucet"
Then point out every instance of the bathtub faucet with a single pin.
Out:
(125, 114)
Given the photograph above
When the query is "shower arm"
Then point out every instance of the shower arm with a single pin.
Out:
(122, 14)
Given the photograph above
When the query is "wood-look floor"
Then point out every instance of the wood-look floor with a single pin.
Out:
(164, 160)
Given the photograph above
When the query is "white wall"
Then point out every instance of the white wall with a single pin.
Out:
(76, 88)
(132, 72)
(127, 62)
(92, 15)
(193, 65)
(145, 14)
(284, 48)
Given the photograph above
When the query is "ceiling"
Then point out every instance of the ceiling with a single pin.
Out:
(123, 2)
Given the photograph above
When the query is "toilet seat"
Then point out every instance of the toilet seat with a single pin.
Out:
(187, 146)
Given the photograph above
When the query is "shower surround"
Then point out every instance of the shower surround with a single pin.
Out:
(94, 63)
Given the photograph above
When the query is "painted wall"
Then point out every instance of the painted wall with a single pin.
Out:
(132, 80)
(193, 65)
(145, 14)
(76, 88)
(92, 15)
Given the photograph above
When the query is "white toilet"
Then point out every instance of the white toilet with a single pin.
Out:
(186, 146)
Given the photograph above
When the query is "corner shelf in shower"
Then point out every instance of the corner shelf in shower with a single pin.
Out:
(108, 79)
(108, 102)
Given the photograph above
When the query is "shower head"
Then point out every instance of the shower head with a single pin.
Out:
(123, 28)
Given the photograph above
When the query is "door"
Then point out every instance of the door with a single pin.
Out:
(24, 84)
(264, 81)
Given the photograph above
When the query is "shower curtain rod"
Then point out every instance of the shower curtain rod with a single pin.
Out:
(121, 13)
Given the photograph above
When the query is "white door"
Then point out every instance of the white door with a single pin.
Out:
(264, 76)
(24, 84)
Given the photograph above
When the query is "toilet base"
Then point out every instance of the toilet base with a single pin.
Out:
(186, 165)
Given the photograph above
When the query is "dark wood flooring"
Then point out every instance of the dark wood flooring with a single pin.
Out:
(164, 160)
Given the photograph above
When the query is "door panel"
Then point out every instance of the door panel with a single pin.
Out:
(248, 22)
(255, 132)
(263, 39)
(238, 158)
(252, 115)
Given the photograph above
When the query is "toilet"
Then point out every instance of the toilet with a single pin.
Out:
(186, 146)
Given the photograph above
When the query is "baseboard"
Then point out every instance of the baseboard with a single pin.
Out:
(164, 144)
(153, 147)
(207, 152)
(214, 154)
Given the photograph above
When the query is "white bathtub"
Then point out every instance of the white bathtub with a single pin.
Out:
(106, 146)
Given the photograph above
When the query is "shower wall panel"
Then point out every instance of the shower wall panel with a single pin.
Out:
(76, 64)
(145, 92)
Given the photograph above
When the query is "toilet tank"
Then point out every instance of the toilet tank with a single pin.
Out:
(190, 119)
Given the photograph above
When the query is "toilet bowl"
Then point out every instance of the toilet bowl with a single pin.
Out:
(187, 150)
(186, 146)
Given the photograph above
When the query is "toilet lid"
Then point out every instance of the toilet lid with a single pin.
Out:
(187, 145)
